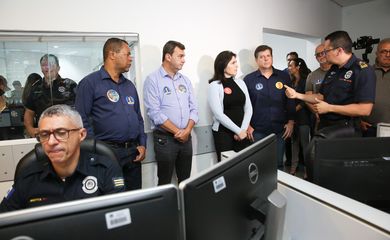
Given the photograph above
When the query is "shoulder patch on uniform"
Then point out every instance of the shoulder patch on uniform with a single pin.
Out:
(363, 64)
(118, 182)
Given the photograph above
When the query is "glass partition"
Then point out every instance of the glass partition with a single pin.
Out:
(78, 54)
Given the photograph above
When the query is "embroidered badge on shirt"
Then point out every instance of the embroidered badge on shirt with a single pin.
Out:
(166, 91)
(182, 88)
(112, 95)
(130, 100)
(61, 89)
(259, 86)
(118, 182)
(348, 74)
(90, 185)
(227, 90)
(279, 85)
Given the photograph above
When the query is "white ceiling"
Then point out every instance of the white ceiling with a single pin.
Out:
(345, 3)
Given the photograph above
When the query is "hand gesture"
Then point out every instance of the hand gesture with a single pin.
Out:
(290, 92)
(321, 107)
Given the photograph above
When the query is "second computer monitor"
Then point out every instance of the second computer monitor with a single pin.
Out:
(229, 201)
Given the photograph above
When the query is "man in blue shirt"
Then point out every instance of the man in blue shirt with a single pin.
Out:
(171, 107)
(273, 112)
(109, 106)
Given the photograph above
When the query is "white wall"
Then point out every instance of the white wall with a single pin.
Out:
(205, 27)
(304, 46)
(367, 19)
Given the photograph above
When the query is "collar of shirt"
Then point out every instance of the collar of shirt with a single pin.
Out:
(48, 169)
(105, 76)
(164, 74)
(349, 63)
(259, 74)
(54, 82)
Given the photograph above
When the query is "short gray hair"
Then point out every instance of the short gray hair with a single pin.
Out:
(383, 41)
(63, 110)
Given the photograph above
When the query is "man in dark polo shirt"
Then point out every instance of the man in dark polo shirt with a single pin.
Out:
(273, 112)
(66, 173)
(347, 92)
(52, 90)
(109, 106)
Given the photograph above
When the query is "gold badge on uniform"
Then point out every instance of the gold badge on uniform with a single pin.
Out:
(363, 64)
(279, 85)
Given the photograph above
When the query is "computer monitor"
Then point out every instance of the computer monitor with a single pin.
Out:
(229, 200)
(143, 214)
(358, 168)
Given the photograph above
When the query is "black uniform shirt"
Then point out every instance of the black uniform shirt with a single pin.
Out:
(39, 185)
(62, 91)
(352, 83)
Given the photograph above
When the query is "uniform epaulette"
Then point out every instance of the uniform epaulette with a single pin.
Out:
(363, 64)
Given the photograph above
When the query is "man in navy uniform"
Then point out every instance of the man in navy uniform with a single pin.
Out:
(347, 92)
(109, 106)
(66, 173)
(273, 112)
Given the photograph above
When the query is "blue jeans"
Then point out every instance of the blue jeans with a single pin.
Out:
(280, 146)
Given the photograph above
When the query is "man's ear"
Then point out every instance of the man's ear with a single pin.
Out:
(83, 134)
(168, 57)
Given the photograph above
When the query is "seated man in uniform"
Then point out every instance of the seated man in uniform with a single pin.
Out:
(52, 90)
(67, 172)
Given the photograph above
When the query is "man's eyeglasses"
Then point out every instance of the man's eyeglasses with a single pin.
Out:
(328, 50)
(320, 54)
(384, 52)
(61, 134)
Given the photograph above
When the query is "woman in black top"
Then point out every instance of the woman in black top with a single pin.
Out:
(229, 101)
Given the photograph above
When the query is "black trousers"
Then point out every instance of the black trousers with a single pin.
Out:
(132, 171)
(224, 141)
(171, 154)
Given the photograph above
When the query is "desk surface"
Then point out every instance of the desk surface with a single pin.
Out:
(352, 207)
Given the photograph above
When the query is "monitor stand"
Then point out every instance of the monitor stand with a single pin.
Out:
(271, 223)
(274, 224)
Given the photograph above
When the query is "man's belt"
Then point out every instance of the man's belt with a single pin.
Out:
(127, 144)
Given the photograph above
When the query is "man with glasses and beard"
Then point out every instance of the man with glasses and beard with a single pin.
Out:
(66, 173)
(314, 81)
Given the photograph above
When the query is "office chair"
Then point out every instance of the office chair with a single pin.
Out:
(88, 145)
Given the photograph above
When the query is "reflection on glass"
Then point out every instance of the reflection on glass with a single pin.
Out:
(69, 56)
